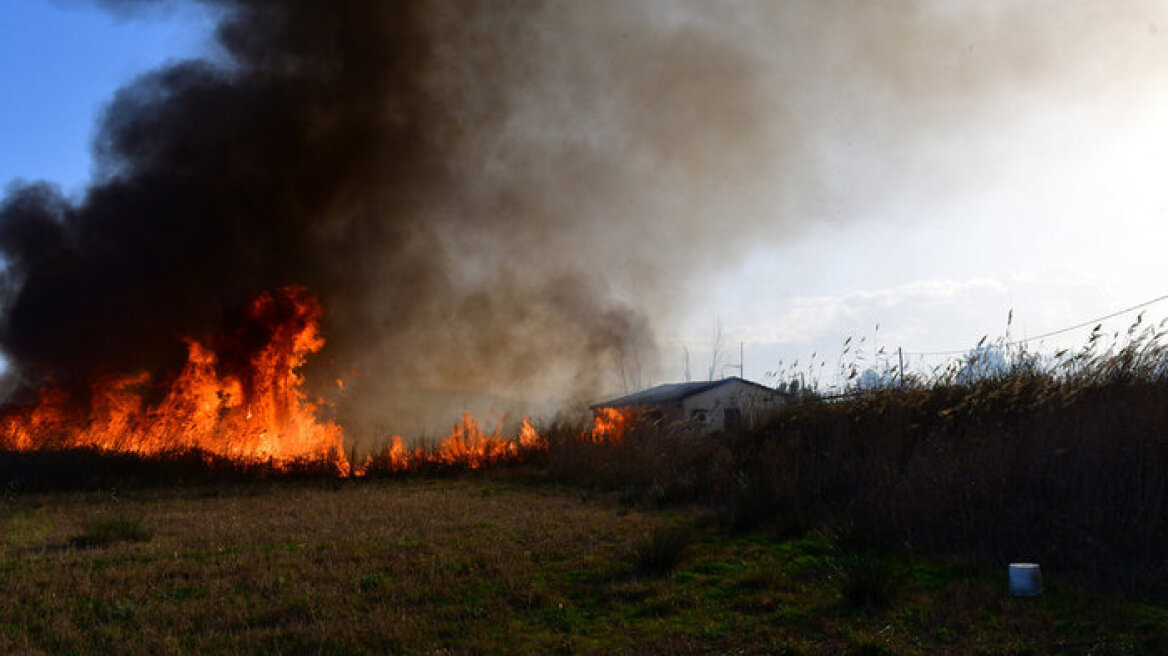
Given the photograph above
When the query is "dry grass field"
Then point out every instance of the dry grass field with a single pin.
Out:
(495, 562)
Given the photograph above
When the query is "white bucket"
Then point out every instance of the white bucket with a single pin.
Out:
(1025, 579)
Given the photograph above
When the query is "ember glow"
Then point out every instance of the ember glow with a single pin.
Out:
(258, 414)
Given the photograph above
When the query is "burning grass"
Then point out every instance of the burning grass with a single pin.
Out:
(250, 412)
(238, 403)
(467, 447)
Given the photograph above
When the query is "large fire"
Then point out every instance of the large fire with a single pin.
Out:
(258, 414)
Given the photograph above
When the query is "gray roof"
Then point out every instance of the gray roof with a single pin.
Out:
(673, 392)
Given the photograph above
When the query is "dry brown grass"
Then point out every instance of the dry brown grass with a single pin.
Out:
(483, 563)
(375, 568)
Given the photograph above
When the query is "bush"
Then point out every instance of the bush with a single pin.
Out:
(660, 553)
(866, 581)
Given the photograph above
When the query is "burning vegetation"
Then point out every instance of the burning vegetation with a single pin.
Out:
(610, 424)
(467, 446)
(255, 413)
(258, 412)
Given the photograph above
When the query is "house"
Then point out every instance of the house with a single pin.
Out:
(707, 406)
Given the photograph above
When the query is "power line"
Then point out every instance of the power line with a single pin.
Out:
(1088, 323)
(931, 353)
(1052, 333)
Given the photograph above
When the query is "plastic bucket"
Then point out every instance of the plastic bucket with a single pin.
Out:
(1025, 579)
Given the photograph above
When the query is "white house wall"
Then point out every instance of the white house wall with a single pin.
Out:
(751, 401)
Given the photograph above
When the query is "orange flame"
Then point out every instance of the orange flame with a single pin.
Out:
(260, 414)
(609, 424)
(467, 446)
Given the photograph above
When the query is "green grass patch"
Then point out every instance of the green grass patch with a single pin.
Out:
(108, 530)
(27, 528)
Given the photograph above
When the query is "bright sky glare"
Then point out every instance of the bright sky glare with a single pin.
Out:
(1043, 193)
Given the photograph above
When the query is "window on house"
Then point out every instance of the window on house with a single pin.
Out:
(699, 415)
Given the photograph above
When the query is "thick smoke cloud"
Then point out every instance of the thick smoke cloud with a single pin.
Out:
(218, 183)
(475, 198)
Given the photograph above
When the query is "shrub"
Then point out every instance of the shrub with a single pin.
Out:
(866, 581)
(660, 553)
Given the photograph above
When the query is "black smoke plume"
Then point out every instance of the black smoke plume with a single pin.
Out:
(483, 196)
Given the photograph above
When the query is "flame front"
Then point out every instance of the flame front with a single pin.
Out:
(466, 446)
(260, 414)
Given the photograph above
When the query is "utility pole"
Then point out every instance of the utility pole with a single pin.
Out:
(741, 366)
(900, 357)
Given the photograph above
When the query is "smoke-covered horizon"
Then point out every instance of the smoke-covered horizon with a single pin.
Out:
(504, 200)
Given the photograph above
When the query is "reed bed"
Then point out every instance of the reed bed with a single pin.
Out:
(1061, 460)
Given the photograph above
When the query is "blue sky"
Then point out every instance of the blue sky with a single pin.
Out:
(59, 65)
(1018, 163)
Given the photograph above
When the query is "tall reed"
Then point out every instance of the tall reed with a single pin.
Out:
(1062, 460)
